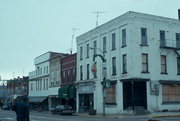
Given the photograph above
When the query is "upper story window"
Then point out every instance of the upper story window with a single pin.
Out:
(162, 38)
(47, 69)
(178, 40)
(74, 71)
(123, 37)
(64, 74)
(124, 63)
(113, 41)
(44, 70)
(87, 71)
(81, 53)
(114, 66)
(81, 72)
(68, 72)
(87, 51)
(143, 36)
(104, 44)
(144, 63)
(95, 46)
(178, 65)
(163, 64)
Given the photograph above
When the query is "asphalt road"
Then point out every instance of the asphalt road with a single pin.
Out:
(41, 116)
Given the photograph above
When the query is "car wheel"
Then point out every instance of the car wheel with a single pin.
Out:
(60, 113)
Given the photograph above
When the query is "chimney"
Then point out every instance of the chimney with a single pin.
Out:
(179, 14)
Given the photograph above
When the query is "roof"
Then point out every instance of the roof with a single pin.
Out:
(125, 18)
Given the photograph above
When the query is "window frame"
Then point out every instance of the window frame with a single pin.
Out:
(145, 63)
(163, 57)
(124, 38)
(144, 37)
(124, 57)
(113, 41)
(114, 66)
(162, 37)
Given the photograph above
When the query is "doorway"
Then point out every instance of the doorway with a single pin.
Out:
(134, 94)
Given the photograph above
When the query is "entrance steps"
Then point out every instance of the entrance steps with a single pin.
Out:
(138, 110)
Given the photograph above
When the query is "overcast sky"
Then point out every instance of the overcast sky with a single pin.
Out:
(29, 28)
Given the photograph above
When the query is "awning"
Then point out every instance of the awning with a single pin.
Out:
(36, 99)
(63, 92)
(72, 92)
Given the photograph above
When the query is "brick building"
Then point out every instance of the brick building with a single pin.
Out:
(67, 92)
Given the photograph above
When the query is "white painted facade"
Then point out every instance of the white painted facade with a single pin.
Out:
(39, 84)
(132, 22)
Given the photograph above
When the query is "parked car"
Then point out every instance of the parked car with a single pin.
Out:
(5, 107)
(62, 109)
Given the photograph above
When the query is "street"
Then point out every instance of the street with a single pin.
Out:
(44, 116)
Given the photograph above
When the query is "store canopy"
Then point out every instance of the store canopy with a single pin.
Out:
(36, 99)
(63, 92)
(72, 92)
(67, 92)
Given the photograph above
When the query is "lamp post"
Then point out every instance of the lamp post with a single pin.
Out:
(103, 73)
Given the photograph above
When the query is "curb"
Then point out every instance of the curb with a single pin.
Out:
(116, 117)
(156, 116)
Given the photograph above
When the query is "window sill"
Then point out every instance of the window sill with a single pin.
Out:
(81, 59)
(123, 46)
(110, 104)
(104, 51)
(170, 103)
(144, 45)
(87, 57)
(164, 73)
(113, 49)
(145, 72)
(113, 74)
(124, 73)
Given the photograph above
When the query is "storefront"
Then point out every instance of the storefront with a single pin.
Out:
(85, 97)
(38, 103)
(67, 96)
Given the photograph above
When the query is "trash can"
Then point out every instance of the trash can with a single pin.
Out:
(92, 112)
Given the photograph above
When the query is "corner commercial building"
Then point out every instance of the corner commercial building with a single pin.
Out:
(143, 64)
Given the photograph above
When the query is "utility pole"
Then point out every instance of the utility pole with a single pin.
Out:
(74, 29)
(104, 73)
(97, 16)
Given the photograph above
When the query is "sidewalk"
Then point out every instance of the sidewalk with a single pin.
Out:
(164, 114)
(152, 115)
(120, 116)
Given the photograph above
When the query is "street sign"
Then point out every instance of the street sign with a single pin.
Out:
(108, 84)
(156, 86)
(104, 72)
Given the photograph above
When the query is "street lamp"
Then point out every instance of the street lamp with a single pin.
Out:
(103, 73)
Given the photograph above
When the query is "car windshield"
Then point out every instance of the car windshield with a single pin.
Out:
(64, 107)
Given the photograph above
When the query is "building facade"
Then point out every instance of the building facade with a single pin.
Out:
(17, 88)
(67, 91)
(142, 60)
(45, 81)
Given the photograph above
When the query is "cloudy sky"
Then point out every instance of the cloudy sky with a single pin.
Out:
(29, 28)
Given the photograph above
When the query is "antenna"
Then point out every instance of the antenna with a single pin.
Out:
(97, 15)
(74, 29)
